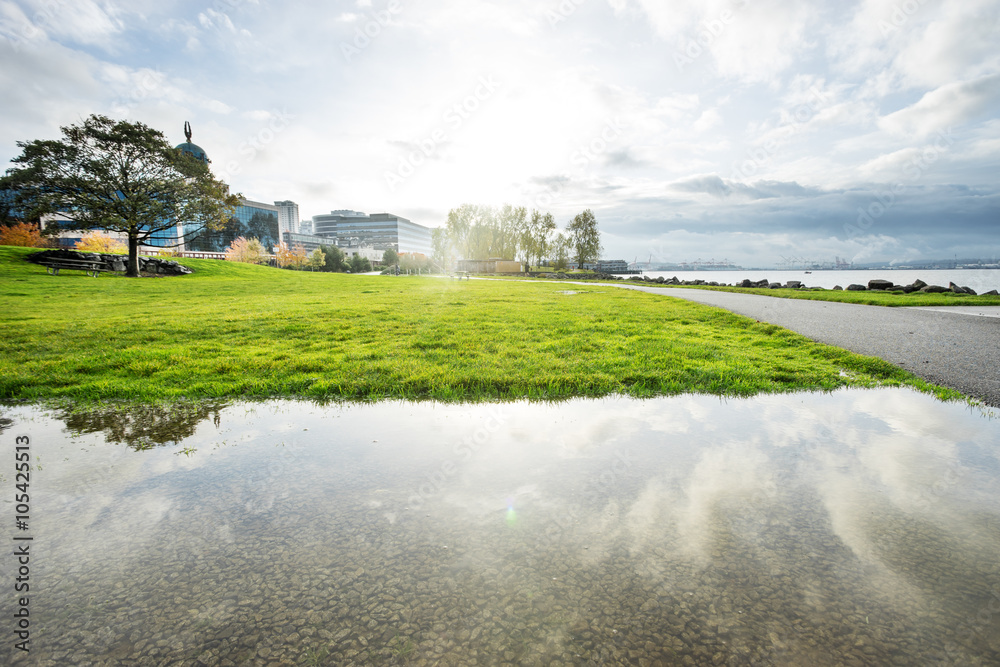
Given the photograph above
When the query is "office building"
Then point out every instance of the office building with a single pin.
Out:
(380, 231)
(252, 219)
(288, 217)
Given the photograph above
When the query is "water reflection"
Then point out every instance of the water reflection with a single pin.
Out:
(142, 426)
(856, 527)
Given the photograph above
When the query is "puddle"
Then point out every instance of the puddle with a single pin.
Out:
(855, 527)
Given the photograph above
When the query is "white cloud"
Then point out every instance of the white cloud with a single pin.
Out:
(944, 107)
(751, 41)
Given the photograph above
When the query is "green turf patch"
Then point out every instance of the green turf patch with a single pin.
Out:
(868, 297)
(237, 330)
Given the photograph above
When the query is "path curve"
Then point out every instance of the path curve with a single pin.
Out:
(953, 349)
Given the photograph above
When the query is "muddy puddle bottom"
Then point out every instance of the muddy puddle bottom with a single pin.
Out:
(854, 528)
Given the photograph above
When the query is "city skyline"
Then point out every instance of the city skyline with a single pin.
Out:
(750, 131)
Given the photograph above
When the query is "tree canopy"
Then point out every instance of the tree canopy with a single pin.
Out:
(585, 238)
(485, 232)
(118, 176)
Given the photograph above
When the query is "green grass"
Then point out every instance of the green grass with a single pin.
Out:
(868, 298)
(237, 330)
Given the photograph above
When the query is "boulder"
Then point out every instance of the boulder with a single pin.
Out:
(838, 288)
(793, 284)
(907, 289)
(762, 283)
(774, 286)
(933, 289)
(746, 283)
(660, 280)
(879, 284)
(919, 284)
(969, 290)
(992, 292)
(956, 289)
(856, 288)
(898, 288)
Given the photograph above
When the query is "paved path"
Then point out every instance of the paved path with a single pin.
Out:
(952, 347)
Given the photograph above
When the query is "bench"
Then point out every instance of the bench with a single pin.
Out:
(461, 274)
(89, 266)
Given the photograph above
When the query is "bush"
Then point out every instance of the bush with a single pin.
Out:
(23, 234)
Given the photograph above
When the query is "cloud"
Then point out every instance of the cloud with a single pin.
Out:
(946, 106)
(720, 188)
(751, 41)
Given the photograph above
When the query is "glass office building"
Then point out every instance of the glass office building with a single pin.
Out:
(380, 231)
(253, 219)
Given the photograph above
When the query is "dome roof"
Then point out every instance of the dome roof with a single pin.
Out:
(192, 149)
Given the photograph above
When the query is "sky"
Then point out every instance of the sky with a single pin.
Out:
(756, 131)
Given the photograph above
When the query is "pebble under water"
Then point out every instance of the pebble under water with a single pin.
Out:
(852, 528)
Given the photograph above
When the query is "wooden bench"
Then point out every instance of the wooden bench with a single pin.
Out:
(89, 266)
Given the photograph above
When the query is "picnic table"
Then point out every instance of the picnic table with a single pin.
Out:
(91, 267)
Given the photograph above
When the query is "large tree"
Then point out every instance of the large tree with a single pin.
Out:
(535, 238)
(585, 238)
(390, 257)
(118, 176)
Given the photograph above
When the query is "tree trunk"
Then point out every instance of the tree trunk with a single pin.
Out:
(133, 254)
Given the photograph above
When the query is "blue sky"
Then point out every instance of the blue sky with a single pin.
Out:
(747, 130)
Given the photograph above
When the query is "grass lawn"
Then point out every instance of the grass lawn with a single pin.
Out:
(869, 297)
(239, 330)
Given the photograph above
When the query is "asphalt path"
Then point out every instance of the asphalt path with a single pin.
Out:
(958, 348)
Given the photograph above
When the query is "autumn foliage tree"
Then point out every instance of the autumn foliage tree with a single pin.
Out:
(290, 258)
(22, 234)
(249, 251)
(317, 260)
(98, 241)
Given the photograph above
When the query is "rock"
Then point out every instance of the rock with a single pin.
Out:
(746, 283)
(992, 292)
(793, 284)
(774, 286)
(879, 284)
(969, 290)
(910, 288)
(659, 279)
(898, 288)
(933, 289)
(856, 288)
(919, 284)
(762, 283)
(838, 288)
